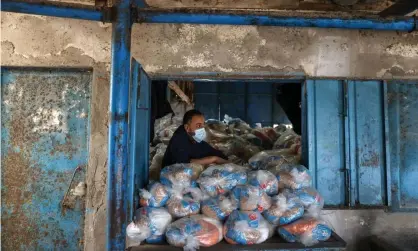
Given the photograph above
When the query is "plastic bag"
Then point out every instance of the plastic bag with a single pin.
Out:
(286, 139)
(236, 125)
(266, 141)
(246, 228)
(219, 207)
(180, 175)
(162, 123)
(264, 180)
(156, 195)
(242, 148)
(150, 223)
(136, 234)
(250, 198)
(272, 158)
(292, 176)
(184, 201)
(271, 133)
(311, 200)
(194, 232)
(156, 220)
(307, 230)
(157, 162)
(220, 179)
(285, 209)
(166, 134)
(235, 160)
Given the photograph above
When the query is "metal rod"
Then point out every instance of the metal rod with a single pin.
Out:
(56, 10)
(184, 17)
(117, 174)
(215, 17)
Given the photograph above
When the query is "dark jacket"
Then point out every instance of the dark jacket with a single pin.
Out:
(182, 148)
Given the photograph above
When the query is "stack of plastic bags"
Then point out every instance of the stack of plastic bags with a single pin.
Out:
(262, 192)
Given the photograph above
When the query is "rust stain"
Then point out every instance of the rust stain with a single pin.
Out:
(370, 159)
(21, 230)
(68, 147)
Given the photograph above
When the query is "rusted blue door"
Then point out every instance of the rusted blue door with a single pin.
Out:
(45, 132)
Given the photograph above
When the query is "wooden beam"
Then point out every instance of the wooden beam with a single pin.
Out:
(173, 86)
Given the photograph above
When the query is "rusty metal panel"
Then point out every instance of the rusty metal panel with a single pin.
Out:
(45, 130)
(365, 141)
(401, 117)
(326, 150)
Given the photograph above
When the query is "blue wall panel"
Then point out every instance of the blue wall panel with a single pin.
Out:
(325, 105)
(45, 131)
(401, 113)
(366, 156)
(253, 102)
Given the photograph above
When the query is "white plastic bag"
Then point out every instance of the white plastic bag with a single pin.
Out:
(292, 176)
(307, 231)
(220, 179)
(264, 180)
(184, 201)
(193, 232)
(246, 228)
(250, 198)
(219, 207)
(286, 208)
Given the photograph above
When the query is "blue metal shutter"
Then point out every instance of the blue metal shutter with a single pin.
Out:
(365, 143)
(401, 120)
(325, 128)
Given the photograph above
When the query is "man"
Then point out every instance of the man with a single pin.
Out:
(188, 146)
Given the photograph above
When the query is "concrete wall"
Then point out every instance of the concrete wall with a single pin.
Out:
(175, 49)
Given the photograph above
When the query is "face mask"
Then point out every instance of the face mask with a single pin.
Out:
(199, 135)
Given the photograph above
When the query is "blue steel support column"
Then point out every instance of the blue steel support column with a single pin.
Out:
(117, 191)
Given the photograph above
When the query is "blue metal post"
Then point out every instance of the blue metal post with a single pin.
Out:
(117, 191)
(54, 10)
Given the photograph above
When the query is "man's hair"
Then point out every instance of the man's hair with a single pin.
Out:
(188, 116)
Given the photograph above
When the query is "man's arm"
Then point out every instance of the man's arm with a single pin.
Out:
(209, 160)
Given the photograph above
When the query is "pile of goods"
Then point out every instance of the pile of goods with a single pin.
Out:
(264, 191)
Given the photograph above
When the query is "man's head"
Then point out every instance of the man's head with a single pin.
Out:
(193, 120)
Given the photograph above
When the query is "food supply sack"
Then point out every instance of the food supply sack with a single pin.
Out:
(285, 209)
(286, 139)
(177, 175)
(184, 201)
(246, 228)
(219, 207)
(220, 179)
(150, 225)
(311, 200)
(156, 195)
(272, 158)
(250, 198)
(193, 232)
(307, 230)
(264, 180)
(292, 176)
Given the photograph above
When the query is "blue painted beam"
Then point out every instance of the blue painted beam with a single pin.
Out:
(55, 10)
(117, 174)
(402, 24)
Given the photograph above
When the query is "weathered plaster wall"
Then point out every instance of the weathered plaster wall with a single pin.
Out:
(175, 49)
(317, 52)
